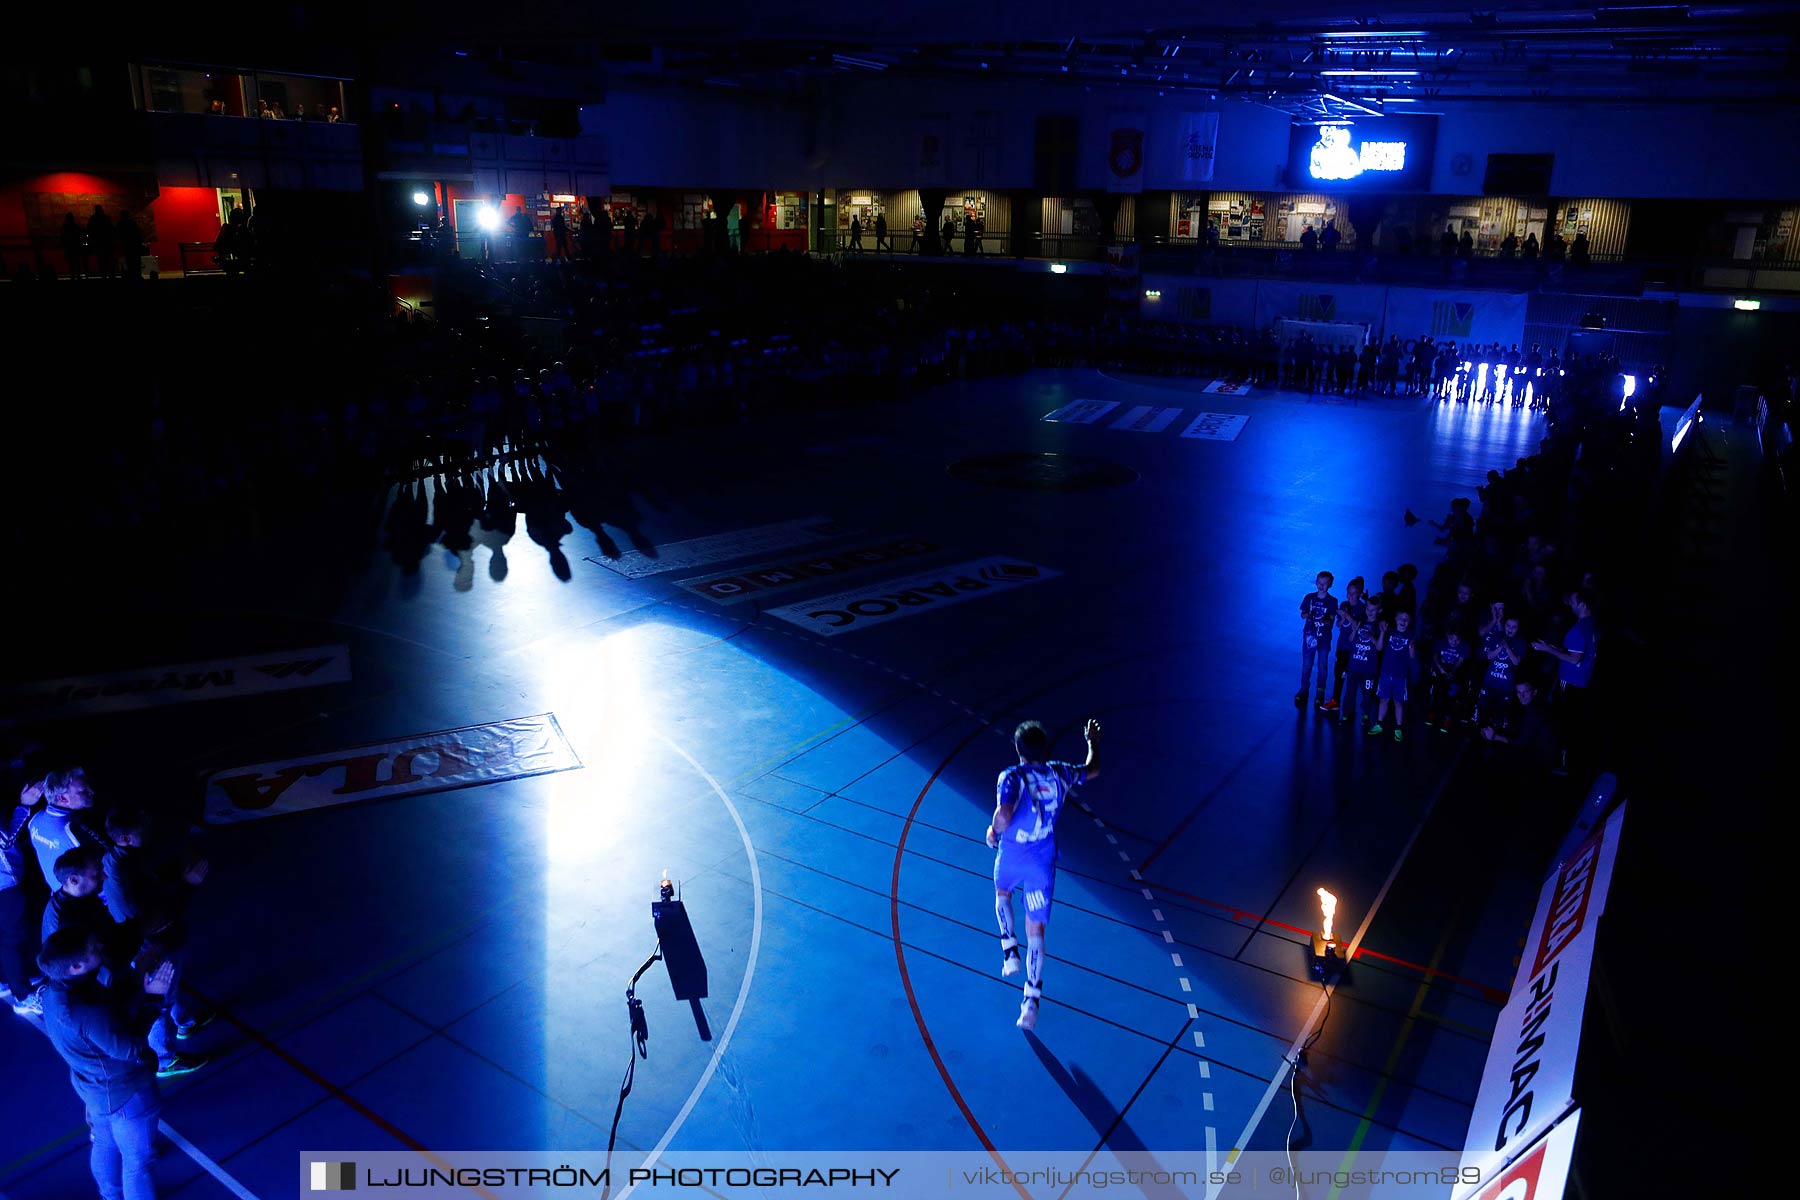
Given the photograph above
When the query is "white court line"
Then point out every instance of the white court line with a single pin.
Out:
(737, 1009)
(1262, 1107)
(206, 1164)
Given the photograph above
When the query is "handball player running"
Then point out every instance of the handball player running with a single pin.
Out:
(1027, 800)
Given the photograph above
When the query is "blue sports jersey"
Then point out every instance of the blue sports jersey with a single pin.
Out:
(53, 834)
(1397, 663)
(1579, 640)
(1036, 792)
(1451, 658)
(1363, 653)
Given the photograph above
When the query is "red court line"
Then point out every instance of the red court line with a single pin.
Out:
(357, 1106)
(906, 977)
(1498, 995)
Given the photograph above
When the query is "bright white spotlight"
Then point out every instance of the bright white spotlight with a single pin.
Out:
(488, 217)
(421, 199)
(1059, 268)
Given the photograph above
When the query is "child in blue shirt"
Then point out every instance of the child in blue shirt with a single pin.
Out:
(1397, 656)
(1318, 613)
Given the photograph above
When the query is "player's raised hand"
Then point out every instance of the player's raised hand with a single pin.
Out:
(1091, 730)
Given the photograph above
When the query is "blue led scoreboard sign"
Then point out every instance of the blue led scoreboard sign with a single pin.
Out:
(1375, 154)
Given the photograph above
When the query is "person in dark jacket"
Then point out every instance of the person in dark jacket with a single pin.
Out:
(131, 245)
(94, 1030)
(76, 902)
(100, 242)
(74, 244)
(152, 899)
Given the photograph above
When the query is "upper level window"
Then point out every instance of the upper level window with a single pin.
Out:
(231, 93)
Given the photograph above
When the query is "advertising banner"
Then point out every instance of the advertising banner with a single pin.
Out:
(1199, 146)
(1528, 1083)
(1330, 334)
(875, 603)
(1455, 316)
(1145, 418)
(723, 547)
(178, 683)
(1278, 299)
(1541, 1173)
(1081, 412)
(426, 762)
(761, 580)
(1216, 427)
(1125, 152)
(1201, 300)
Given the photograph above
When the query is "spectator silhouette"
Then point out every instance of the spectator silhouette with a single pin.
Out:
(1531, 248)
(1447, 243)
(856, 234)
(559, 231)
(881, 238)
(1309, 239)
(131, 245)
(1331, 237)
(101, 242)
(629, 224)
(947, 237)
(74, 244)
(1578, 250)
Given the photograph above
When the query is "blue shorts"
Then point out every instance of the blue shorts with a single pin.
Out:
(1391, 687)
(1036, 877)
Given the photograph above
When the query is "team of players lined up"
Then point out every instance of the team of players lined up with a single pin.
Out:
(1481, 665)
(1474, 373)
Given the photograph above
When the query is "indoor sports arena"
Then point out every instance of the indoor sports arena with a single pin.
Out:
(1007, 603)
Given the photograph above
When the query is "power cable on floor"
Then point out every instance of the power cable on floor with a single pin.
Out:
(640, 1048)
(1294, 1065)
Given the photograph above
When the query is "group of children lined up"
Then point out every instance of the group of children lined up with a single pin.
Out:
(1491, 374)
(1481, 665)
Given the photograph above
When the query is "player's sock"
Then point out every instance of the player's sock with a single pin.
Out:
(1003, 913)
(1034, 964)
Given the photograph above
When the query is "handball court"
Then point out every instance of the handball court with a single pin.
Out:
(446, 969)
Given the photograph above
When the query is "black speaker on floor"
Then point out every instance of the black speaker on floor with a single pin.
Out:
(687, 966)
